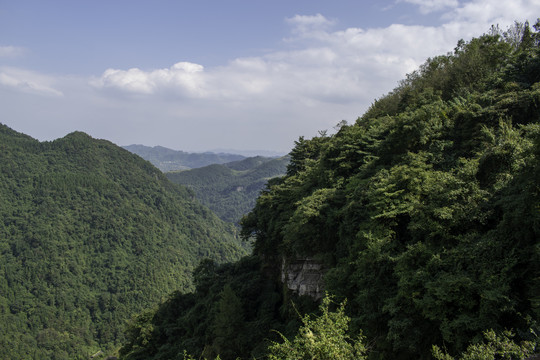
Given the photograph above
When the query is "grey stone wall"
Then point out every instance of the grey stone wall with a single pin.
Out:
(303, 277)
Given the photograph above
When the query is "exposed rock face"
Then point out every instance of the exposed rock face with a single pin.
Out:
(303, 277)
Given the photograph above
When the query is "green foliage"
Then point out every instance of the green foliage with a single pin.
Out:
(227, 324)
(425, 212)
(325, 338)
(230, 190)
(230, 314)
(89, 235)
(497, 347)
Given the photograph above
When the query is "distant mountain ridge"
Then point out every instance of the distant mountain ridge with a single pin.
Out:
(250, 153)
(230, 189)
(167, 159)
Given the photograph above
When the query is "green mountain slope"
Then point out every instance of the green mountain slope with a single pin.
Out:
(170, 160)
(90, 234)
(424, 214)
(230, 190)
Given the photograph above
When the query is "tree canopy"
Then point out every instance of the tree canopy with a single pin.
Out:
(89, 235)
(230, 189)
(426, 211)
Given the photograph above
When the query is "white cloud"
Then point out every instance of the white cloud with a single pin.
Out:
(28, 82)
(305, 27)
(340, 67)
(304, 23)
(429, 6)
(488, 12)
(184, 77)
(320, 77)
(11, 51)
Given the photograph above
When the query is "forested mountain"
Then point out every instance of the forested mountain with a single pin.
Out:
(170, 160)
(230, 190)
(91, 234)
(424, 215)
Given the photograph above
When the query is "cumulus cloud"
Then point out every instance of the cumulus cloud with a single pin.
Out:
(338, 66)
(28, 82)
(342, 68)
(184, 77)
(494, 12)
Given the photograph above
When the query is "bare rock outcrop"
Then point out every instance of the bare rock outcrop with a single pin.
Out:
(303, 277)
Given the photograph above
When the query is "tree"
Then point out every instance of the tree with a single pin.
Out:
(322, 338)
(228, 323)
(497, 347)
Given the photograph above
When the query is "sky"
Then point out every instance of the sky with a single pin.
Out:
(219, 74)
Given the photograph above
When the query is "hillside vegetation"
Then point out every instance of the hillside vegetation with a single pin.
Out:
(230, 189)
(425, 214)
(91, 234)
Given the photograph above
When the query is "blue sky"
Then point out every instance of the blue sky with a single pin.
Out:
(201, 75)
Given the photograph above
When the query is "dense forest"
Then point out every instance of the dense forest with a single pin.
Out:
(170, 160)
(91, 234)
(423, 216)
(230, 189)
